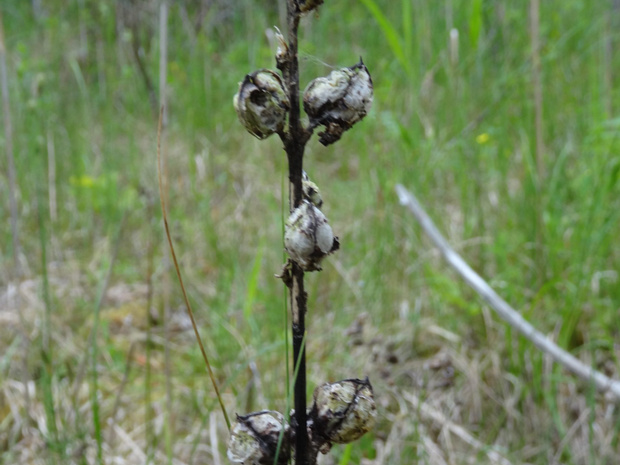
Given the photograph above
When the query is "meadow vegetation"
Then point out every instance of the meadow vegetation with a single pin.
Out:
(98, 362)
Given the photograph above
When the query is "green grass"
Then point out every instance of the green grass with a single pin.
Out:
(74, 84)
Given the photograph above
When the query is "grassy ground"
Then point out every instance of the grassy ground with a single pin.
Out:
(98, 363)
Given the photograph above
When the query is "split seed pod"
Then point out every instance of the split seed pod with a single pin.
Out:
(309, 237)
(339, 100)
(254, 439)
(261, 103)
(343, 412)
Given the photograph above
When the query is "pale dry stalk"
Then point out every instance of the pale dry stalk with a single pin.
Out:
(501, 307)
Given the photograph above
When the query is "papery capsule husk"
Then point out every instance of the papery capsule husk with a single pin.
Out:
(342, 412)
(261, 103)
(281, 50)
(254, 439)
(309, 237)
(311, 191)
(339, 100)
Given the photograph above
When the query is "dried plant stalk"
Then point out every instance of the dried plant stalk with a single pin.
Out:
(294, 145)
(501, 307)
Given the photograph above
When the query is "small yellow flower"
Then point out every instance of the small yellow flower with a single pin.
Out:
(82, 181)
(483, 138)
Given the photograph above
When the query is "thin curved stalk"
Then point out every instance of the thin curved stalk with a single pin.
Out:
(178, 270)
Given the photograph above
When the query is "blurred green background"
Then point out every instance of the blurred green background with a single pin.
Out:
(98, 363)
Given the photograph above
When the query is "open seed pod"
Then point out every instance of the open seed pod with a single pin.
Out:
(339, 100)
(254, 439)
(309, 237)
(342, 412)
(261, 103)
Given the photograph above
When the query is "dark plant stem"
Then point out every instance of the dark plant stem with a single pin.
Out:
(298, 300)
(294, 144)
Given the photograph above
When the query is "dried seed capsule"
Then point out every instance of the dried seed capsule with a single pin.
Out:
(311, 191)
(339, 100)
(308, 5)
(261, 103)
(309, 237)
(254, 439)
(282, 49)
(343, 412)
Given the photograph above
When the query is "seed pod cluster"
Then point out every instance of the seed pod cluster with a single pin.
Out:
(339, 100)
(342, 412)
(254, 439)
(309, 237)
(261, 103)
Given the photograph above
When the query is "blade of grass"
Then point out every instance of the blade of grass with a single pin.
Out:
(407, 26)
(392, 36)
(147, 377)
(51, 176)
(475, 22)
(230, 381)
(12, 175)
(537, 90)
(163, 64)
(287, 410)
(163, 56)
(164, 314)
(250, 294)
(8, 134)
(94, 347)
(46, 349)
(178, 271)
(346, 455)
(121, 388)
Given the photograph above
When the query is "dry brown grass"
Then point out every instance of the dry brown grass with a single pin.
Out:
(444, 396)
(437, 391)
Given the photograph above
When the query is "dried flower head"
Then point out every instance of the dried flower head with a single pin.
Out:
(254, 439)
(343, 411)
(309, 237)
(339, 100)
(261, 103)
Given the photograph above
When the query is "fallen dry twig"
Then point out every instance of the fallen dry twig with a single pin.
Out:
(503, 309)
